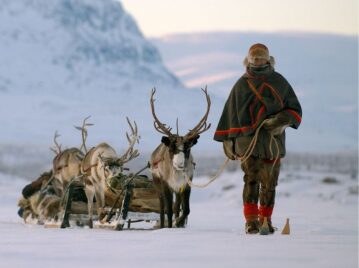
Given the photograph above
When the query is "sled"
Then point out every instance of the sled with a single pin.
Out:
(129, 199)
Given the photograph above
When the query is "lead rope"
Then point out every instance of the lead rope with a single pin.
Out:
(226, 161)
(244, 158)
(252, 145)
(270, 149)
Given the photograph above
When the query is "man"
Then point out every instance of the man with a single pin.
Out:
(252, 128)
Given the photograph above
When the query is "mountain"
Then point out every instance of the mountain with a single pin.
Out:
(78, 43)
(66, 59)
(322, 68)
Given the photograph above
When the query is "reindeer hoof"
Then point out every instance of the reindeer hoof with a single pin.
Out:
(90, 224)
(181, 222)
(119, 227)
(102, 217)
(65, 224)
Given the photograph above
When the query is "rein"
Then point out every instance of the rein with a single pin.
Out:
(224, 165)
(126, 184)
(155, 164)
(89, 168)
(72, 181)
(243, 158)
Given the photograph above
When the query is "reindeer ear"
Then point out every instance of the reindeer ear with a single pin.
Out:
(165, 140)
(194, 140)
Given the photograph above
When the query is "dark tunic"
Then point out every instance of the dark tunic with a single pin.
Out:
(244, 111)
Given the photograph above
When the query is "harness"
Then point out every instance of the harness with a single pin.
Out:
(155, 163)
(86, 171)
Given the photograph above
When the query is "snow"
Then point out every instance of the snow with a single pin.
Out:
(323, 221)
(65, 60)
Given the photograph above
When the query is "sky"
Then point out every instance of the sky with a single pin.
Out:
(161, 17)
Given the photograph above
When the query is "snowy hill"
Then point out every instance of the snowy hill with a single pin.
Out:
(322, 68)
(62, 44)
(65, 60)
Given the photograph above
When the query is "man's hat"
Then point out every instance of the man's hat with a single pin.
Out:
(258, 51)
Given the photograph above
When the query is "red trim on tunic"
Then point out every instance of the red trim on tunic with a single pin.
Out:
(251, 108)
(241, 129)
(255, 101)
(275, 93)
(295, 114)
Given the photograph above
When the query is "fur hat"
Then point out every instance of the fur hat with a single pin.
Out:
(258, 51)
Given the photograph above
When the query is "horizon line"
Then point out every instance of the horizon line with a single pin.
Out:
(286, 32)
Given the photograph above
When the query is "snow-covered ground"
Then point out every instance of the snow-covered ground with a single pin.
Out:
(323, 221)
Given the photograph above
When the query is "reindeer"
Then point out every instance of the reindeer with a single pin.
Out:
(172, 166)
(67, 163)
(42, 197)
(102, 163)
(66, 166)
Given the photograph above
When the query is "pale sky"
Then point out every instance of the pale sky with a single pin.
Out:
(161, 17)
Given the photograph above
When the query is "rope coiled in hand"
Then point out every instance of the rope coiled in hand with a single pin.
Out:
(243, 158)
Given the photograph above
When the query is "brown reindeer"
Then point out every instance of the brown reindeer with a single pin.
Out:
(66, 166)
(42, 197)
(172, 166)
(102, 163)
(67, 163)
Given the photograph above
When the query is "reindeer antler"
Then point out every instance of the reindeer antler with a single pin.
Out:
(84, 133)
(132, 139)
(202, 125)
(57, 148)
(162, 128)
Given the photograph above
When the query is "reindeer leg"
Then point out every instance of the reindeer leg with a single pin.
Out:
(90, 193)
(185, 207)
(100, 202)
(162, 210)
(168, 195)
(177, 206)
(159, 190)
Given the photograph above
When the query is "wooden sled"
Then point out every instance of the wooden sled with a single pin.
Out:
(128, 200)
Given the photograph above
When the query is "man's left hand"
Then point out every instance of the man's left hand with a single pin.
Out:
(275, 125)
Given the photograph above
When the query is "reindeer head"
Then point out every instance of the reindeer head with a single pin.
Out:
(110, 166)
(179, 150)
(180, 146)
(114, 166)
